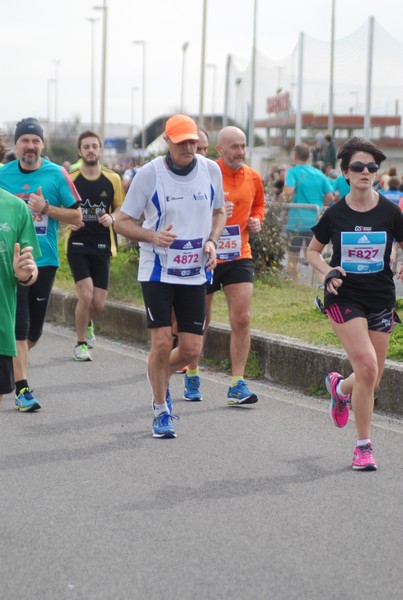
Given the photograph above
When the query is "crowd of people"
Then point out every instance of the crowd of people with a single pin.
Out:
(191, 217)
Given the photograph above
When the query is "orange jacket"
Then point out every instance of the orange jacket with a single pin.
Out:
(244, 188)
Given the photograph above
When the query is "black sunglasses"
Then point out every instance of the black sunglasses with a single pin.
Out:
(358, 167)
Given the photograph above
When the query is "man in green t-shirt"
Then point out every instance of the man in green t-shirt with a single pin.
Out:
(18, 248)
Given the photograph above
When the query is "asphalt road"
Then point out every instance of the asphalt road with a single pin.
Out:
(247, 503)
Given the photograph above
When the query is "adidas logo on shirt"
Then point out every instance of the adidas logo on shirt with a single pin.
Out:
(363, 240)
(188, 246)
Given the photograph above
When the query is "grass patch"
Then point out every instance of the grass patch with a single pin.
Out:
(279, 306)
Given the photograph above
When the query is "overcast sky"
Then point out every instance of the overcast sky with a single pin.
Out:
(36, 34)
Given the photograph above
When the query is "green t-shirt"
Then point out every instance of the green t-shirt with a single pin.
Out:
(16, 225)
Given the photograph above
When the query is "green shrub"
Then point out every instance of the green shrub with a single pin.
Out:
(269, 246)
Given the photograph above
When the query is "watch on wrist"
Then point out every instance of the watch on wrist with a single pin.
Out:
(212, 241)
(45, 208)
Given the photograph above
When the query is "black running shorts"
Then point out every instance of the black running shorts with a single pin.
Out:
(341, 312)
(6, 374)
(188, 302)
(96, 266)
(233, 271)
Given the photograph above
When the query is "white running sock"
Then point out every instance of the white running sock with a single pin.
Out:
(160, 408)
(363, 442)
(338, 389)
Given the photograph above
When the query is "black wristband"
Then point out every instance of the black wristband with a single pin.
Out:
(333, 273)
(212, 241)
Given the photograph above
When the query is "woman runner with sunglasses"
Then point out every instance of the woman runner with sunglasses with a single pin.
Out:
(359, 287)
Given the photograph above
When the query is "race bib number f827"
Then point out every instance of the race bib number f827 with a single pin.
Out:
(363, 252)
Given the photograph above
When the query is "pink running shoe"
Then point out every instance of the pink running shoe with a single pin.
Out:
(339, 405)
(363, 459)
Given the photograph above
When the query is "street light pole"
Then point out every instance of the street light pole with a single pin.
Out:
(92, 20)
(202, 67)
(132, 112)
(104, 9)
(330, 123)
(238, 82)
(253, 84)
(56, 82)
(143, 94)
(185, 46)
(213, 67)
(49, 136)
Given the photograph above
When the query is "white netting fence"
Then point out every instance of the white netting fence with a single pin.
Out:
(350, 76)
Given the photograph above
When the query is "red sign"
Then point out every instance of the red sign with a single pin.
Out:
(279, 103)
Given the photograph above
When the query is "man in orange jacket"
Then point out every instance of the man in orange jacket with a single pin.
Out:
(234, 273)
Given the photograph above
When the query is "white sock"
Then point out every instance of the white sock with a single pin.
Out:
(160, 408)
(363, 442)
(338, 388)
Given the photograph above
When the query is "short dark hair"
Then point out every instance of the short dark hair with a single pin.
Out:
(394, 182)
(357, 144)
(86, 134)
(302, 151)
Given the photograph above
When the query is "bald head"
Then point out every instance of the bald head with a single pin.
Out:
(231, 146)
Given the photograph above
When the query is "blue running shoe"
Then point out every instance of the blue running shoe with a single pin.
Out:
(26, 401)
(192, 388)
(240, 394)
(163, 427)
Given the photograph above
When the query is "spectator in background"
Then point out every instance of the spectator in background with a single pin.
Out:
(3, 149)
(129, 174)
(9, 157)
(393, 193)
(317, 152)
(340, 187)
(202, 144)
(329, 152)
(303, 185)
(278, 183)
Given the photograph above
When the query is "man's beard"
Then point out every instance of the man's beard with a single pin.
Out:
(30, 160)
(90, 162)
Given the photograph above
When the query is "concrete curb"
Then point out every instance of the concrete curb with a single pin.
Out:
(283, 360)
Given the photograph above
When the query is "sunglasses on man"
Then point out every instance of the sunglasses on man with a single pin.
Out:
(358, 167)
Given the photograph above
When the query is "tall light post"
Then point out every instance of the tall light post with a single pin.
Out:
(143, 93)
(49, 99)
(330, 122)
(134, 90)
(238, 82)
(253, 83)
(185, 46)
(213, 68)
(202, 66)
(104, 9)
(56, 82)
(92, 20)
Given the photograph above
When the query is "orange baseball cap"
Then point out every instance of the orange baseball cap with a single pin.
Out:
(180, 128)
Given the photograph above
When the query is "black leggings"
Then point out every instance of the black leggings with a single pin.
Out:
(32, 303)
